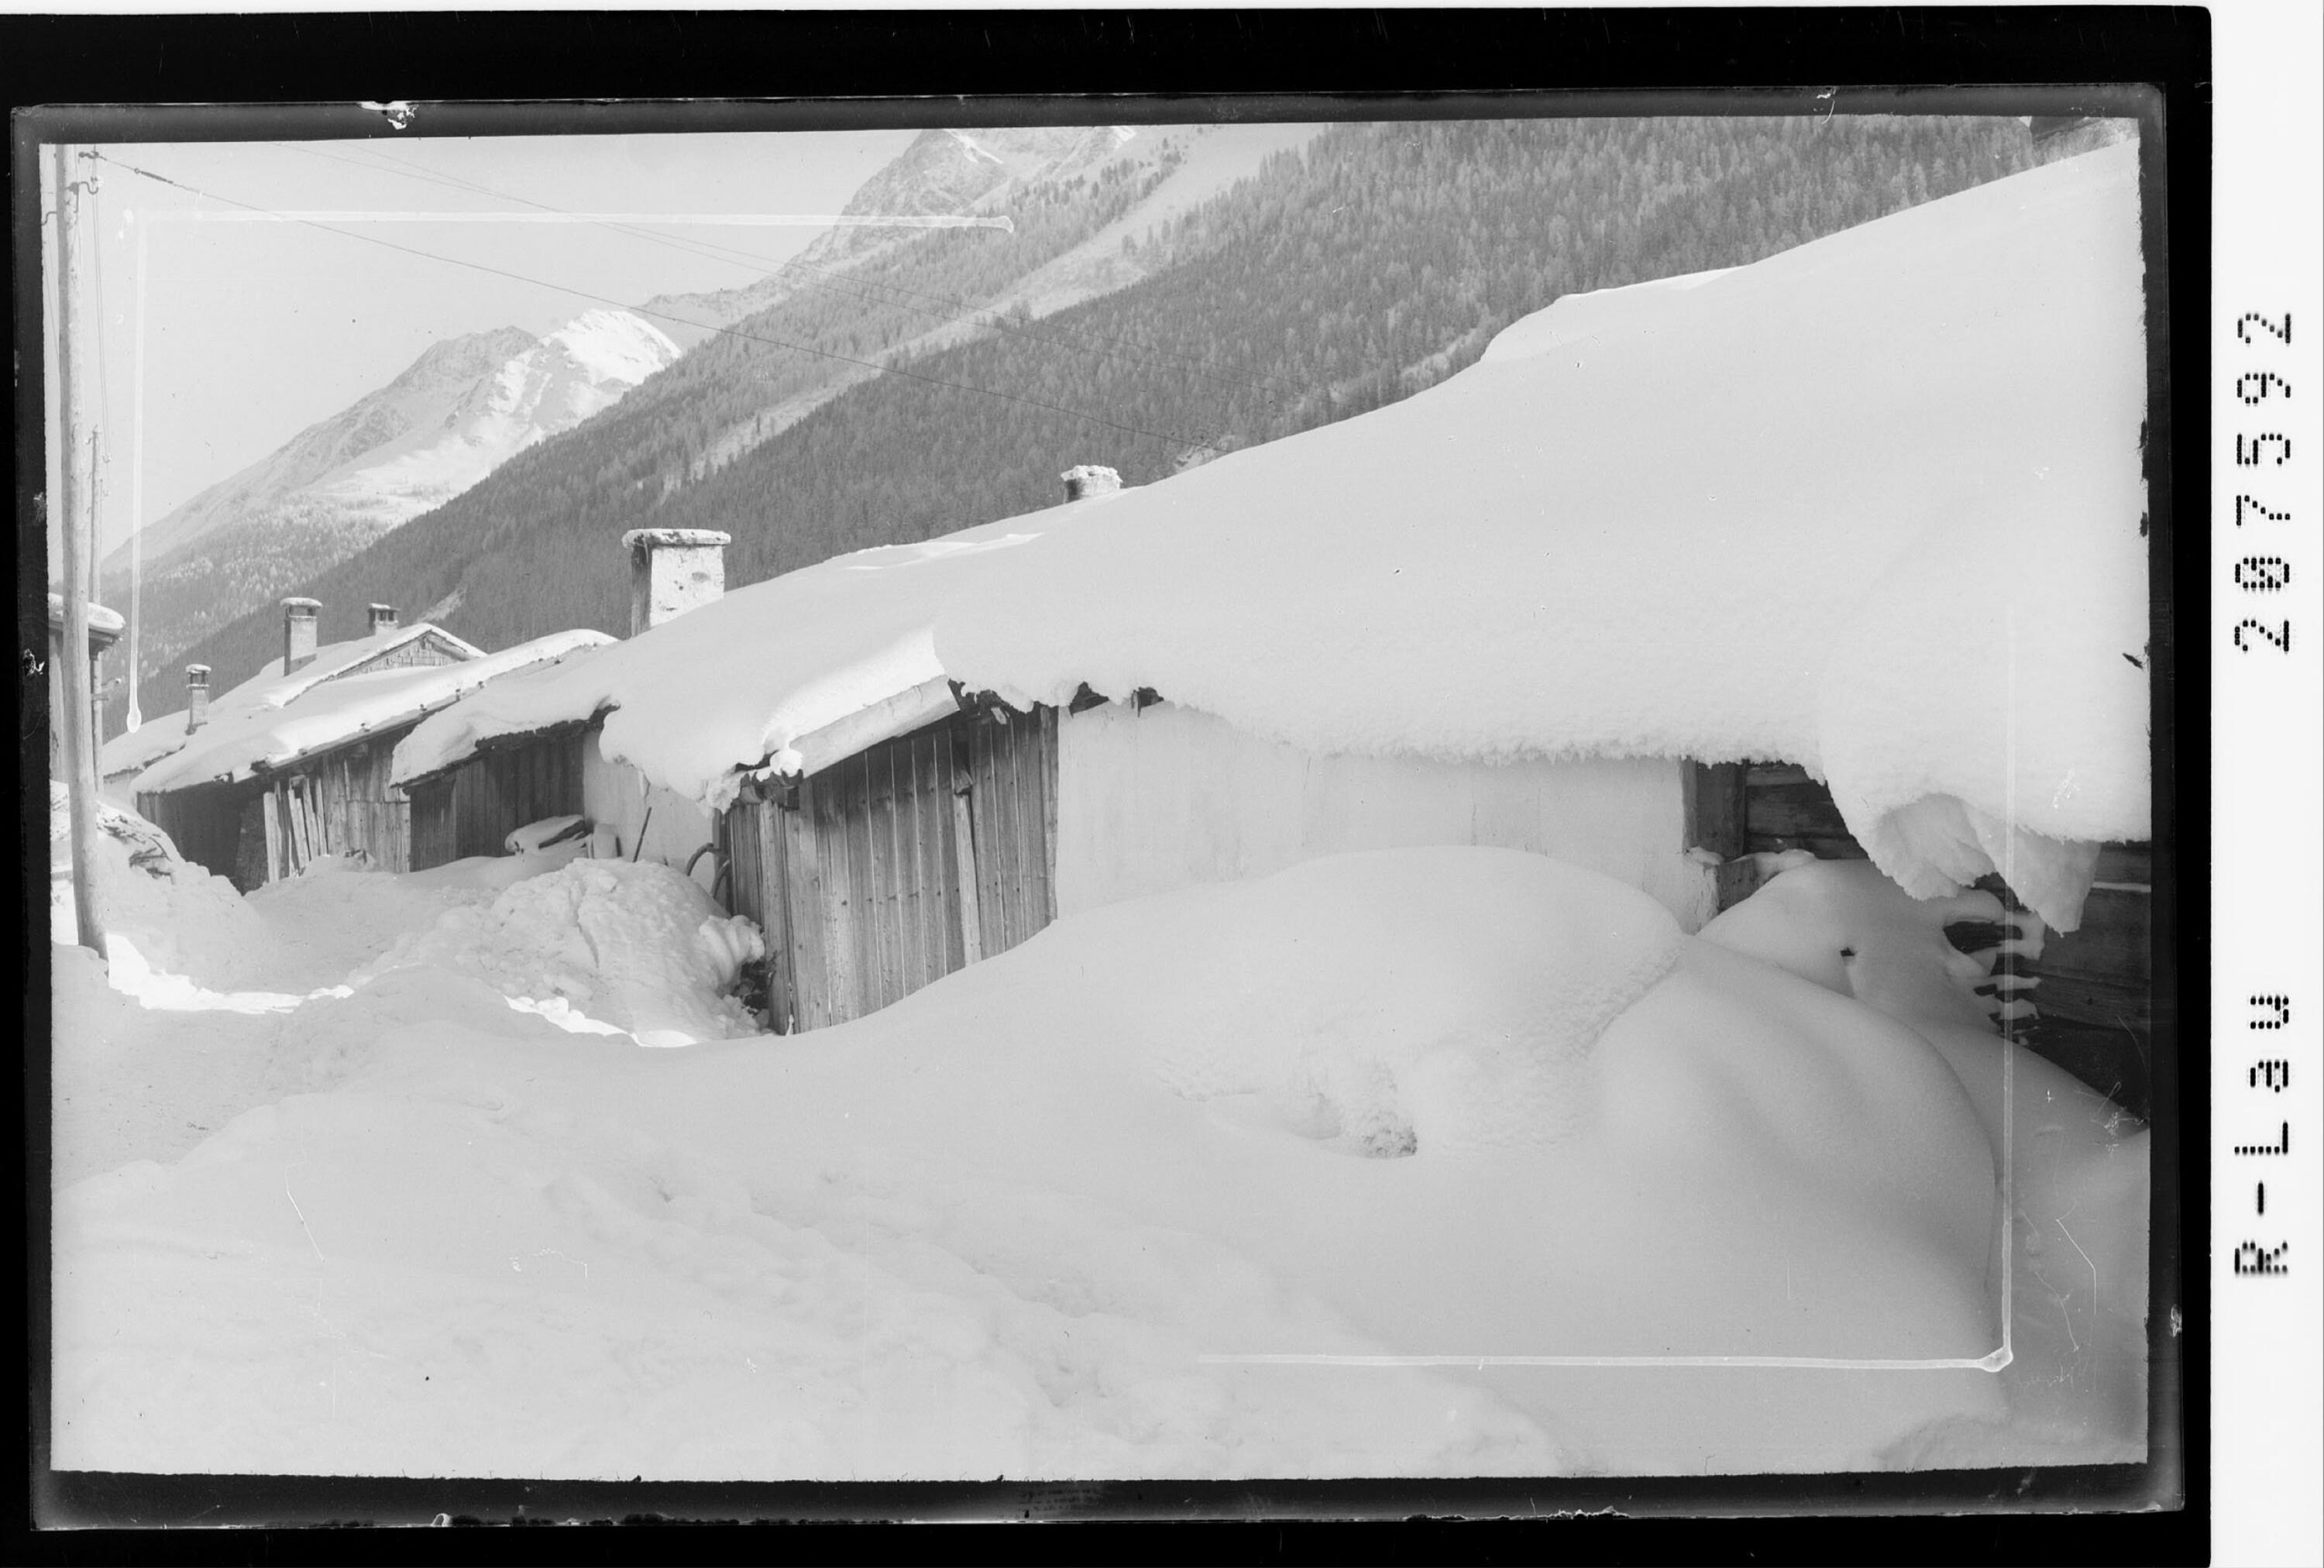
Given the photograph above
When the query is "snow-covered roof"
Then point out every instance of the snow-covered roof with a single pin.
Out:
(1873, 505)
(103, 623)
(296, 718)
(156, 738)
(796, 672)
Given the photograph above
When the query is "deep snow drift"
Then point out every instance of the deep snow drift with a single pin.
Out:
(640, 948)
(1446, 1102)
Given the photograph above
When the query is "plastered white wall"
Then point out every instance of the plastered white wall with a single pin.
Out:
(616, 793)
(1155, 799)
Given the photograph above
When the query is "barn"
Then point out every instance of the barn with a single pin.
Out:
(292, 764)
(1648, 588)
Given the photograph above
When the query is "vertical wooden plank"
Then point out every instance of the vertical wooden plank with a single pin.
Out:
(870, 909)
(803, 873)
(1046, 768)
(294, 805)
(930, 805)
(943, 860)
(880, 880)
(271, 819)
(991, 848)
(1008, 749)
(774, 898)
(1032, 834)
(903, 865)
(839, 892)
(969, 892)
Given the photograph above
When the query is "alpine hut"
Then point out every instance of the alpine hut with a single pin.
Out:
(292, 765)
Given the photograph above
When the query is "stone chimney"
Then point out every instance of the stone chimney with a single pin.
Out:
(673, 570)
(1089, 479)
(383, 619)
(298, 631)
(197, 697)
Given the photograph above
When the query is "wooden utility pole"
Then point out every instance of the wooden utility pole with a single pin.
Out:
(72, 515)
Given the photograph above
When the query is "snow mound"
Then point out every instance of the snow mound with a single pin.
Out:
(640, 947)
(178, 916)
(1848, 928)
(2079, 1164)
(1026, 1220)
(1394, 1001)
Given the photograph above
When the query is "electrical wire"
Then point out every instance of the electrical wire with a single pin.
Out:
(897, 295)
(1159, 436)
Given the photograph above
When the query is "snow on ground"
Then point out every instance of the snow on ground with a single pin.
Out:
(1448, 1101)
(641, 947)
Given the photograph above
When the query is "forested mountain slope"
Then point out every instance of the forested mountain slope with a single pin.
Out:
(1369, 264)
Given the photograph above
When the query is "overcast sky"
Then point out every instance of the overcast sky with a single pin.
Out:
(255, 330)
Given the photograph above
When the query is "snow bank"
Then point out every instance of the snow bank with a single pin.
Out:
(638, 947)
(1871, 505)
(730, 684)
(291, 720)
(2079, 1307)
(178, 916)
(1023, 1223)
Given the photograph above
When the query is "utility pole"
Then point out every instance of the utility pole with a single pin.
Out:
(74, 722)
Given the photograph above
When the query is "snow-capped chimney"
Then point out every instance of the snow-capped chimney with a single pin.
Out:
(197, 697)
(1089, 479)
(673, 570)
(383, 619)
(298, 631)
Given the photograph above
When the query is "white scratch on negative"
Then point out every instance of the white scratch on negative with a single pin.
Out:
(300, 1212)
(2078, 1247)
(1993, 1361)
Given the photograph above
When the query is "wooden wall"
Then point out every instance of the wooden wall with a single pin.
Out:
(337, 803)
(2097, 996)
(472, 808)
(856, 873)
(206, 825)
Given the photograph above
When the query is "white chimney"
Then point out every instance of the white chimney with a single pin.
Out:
(298, 631)
(1089, 479)
(673, 570)
(197, 697)
(383, 619)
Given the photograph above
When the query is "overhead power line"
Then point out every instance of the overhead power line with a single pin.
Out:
(1276, 390)
(1085, 417)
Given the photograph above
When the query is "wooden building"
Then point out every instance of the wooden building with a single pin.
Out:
(893, 866)
(472, 807)
(296, 763)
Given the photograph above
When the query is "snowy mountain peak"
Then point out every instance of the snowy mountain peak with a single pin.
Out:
(614, 346)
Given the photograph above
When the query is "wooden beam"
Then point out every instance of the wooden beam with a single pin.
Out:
(270, 816)
(972, 936)
(75, 723)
